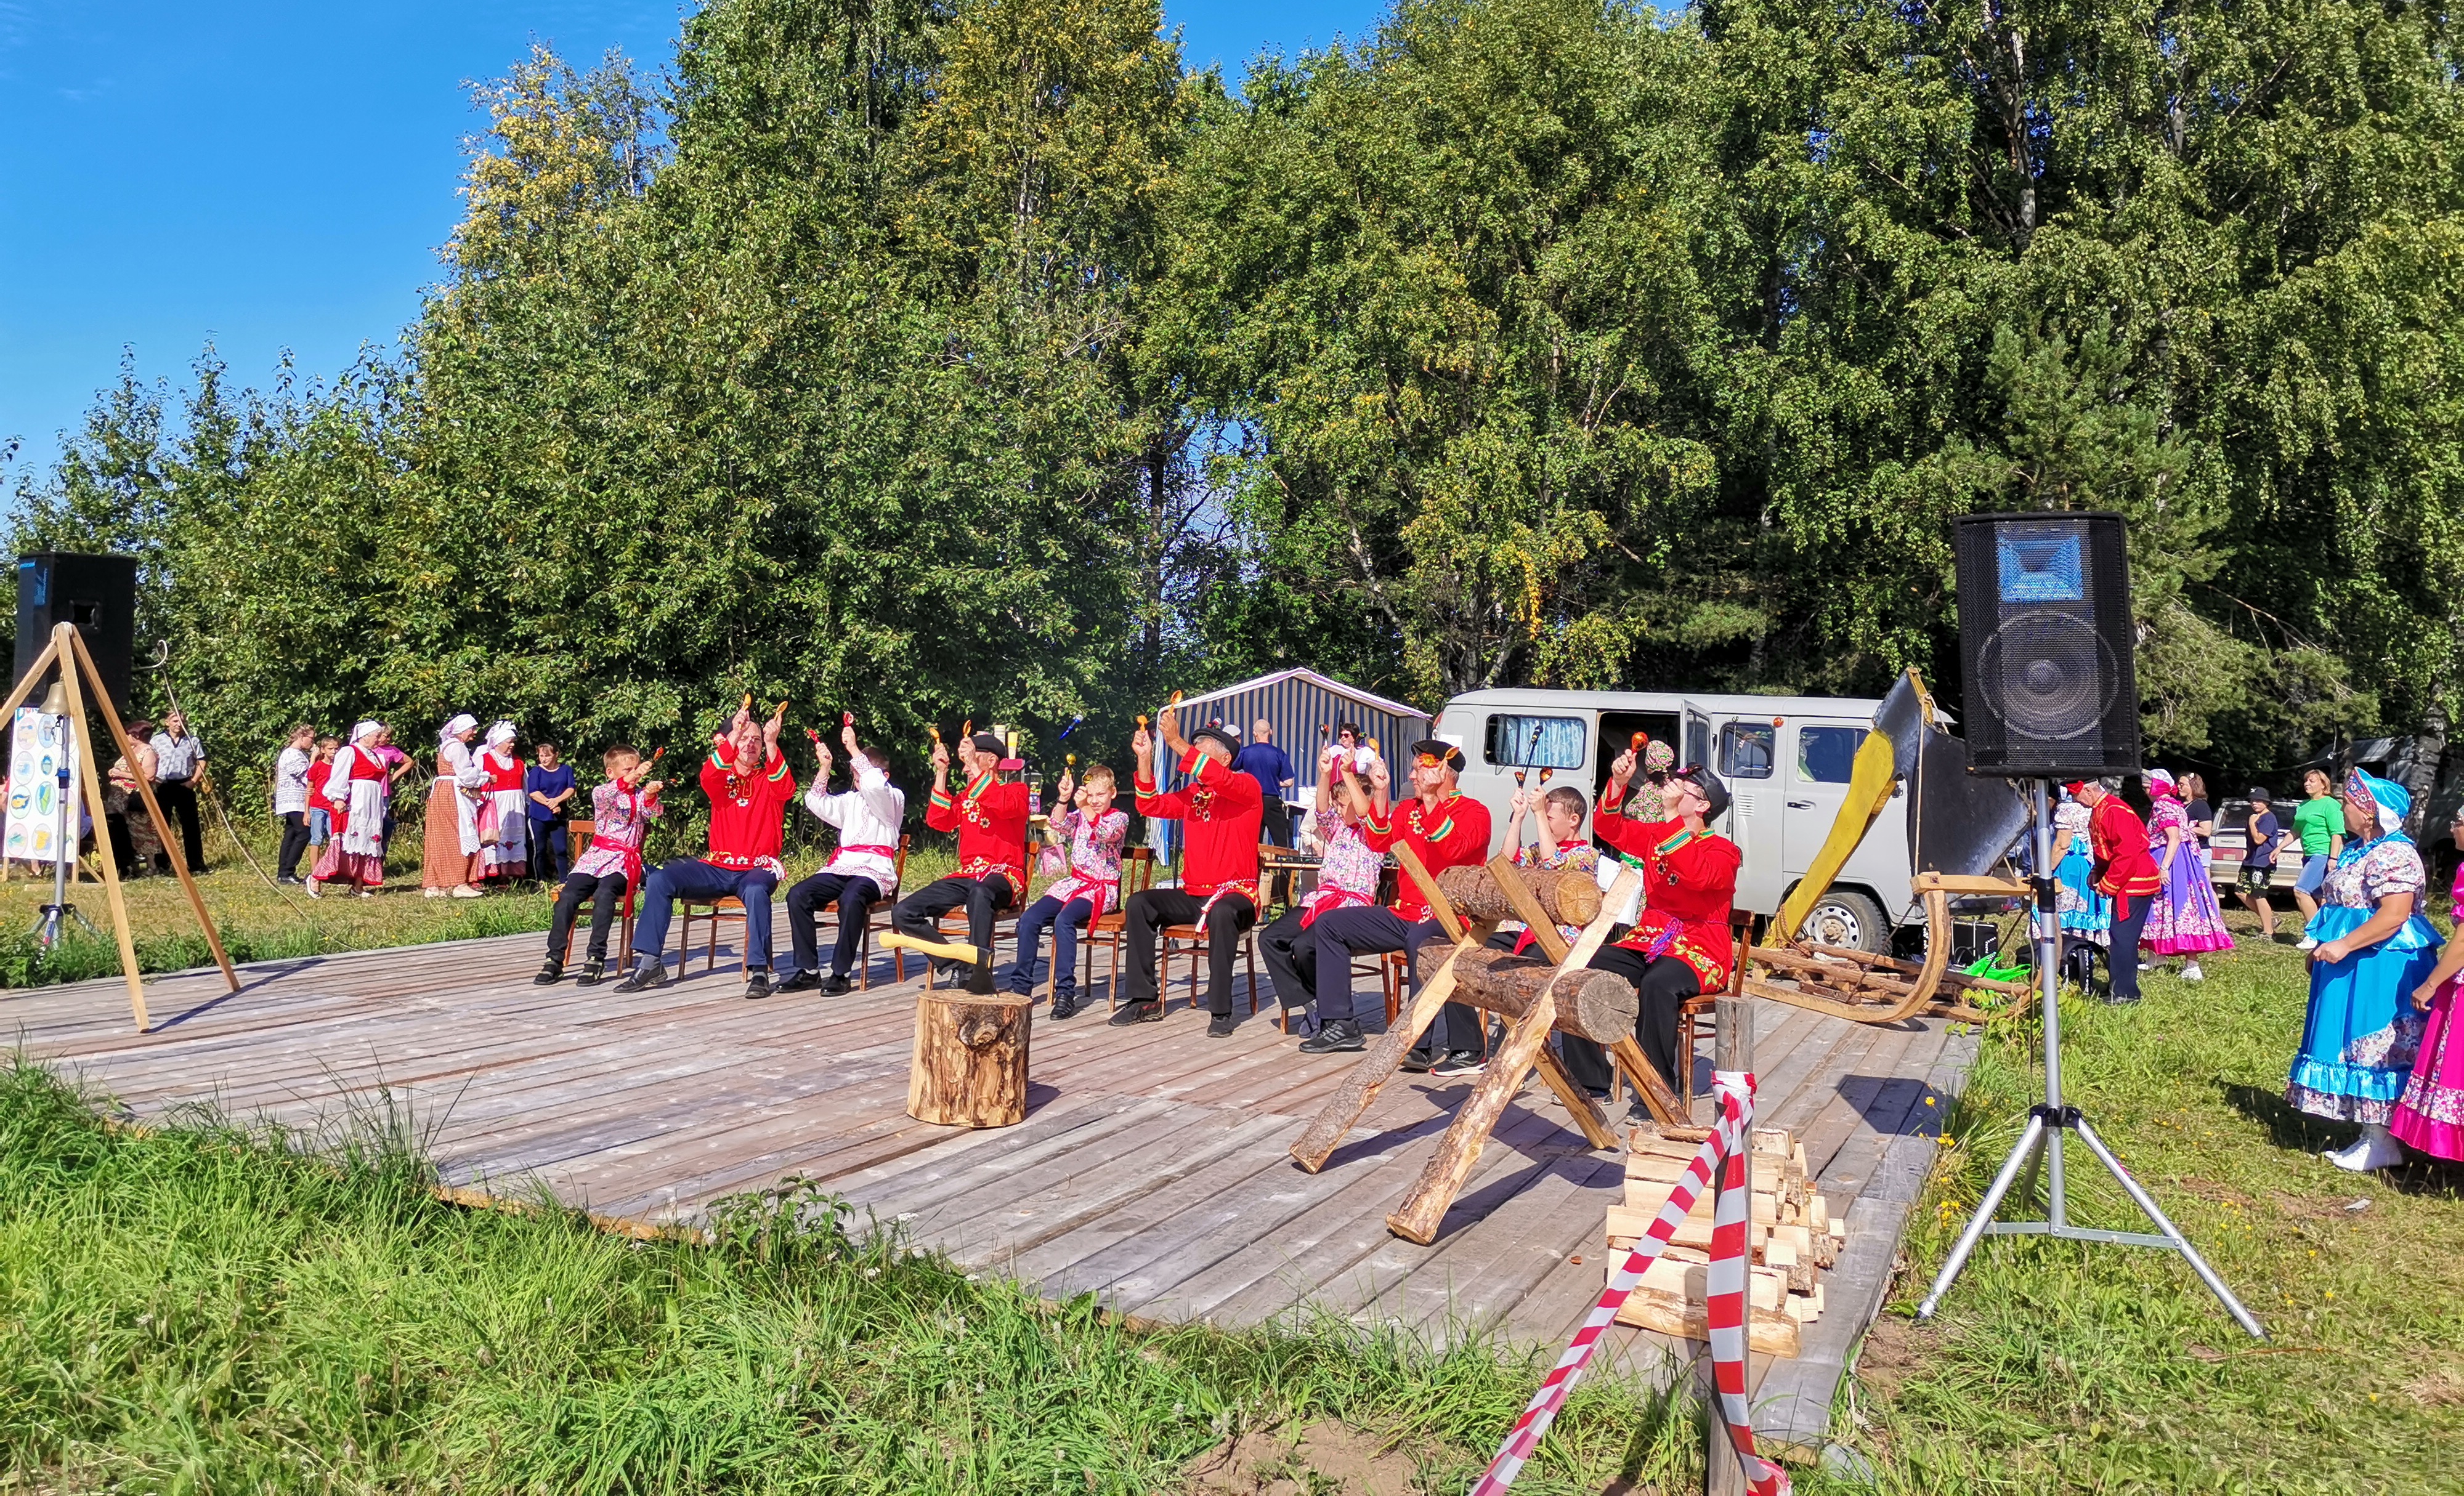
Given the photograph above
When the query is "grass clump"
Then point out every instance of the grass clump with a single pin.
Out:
(207, 1310)
(2093, 1368)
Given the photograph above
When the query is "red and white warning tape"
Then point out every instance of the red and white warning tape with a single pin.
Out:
(1729, 1250)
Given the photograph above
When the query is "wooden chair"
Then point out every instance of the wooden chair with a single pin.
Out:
(581, 832)
(728, 906)
(877, 918)
(1194, 938)
(1111, 927)
(1004, 926)
(1697, 1015)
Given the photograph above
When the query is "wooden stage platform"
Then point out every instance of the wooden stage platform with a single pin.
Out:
(1151, 1169)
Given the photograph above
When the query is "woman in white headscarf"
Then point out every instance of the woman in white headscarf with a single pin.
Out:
(504, 815)
(453, 863)
(354, 793)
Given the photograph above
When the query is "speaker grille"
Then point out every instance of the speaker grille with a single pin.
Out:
(2045, 636)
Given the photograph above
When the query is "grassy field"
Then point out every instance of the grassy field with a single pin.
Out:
(205, 1311)
(260, 921)
(2110, 1369)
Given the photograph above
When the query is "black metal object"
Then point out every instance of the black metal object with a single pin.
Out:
(97, 594)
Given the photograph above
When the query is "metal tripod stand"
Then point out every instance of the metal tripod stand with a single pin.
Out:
(51, 919)
(2041, 1144)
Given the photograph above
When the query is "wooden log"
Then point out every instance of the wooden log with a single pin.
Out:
(1382, 1061)
(969, 1068)
(1565, 898)
(1670, 1300)
(1593, 1005)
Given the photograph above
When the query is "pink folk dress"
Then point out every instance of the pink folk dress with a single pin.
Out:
(2430, 1115)
(2183, 920)
(1094, 859)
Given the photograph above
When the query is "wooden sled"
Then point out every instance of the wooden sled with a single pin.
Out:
(1863, 987)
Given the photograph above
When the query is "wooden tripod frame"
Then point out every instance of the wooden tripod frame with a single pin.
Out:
(67, 649)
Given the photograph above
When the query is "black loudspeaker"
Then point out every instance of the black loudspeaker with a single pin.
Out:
(2045, 640)
(96, 593)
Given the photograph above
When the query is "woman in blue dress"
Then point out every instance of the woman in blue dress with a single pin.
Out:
(2362, 1034)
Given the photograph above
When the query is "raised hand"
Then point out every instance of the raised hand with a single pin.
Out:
(1066, 791)
(1168, 723)
(1378, 774)
(1142, 743)
(821, 753)
(1622, 767)
(940, 756)
(846, 735)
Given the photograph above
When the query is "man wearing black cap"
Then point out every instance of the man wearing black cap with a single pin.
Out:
(990, 818)
(1219, 811)
(1448, 829)
(1680, 945)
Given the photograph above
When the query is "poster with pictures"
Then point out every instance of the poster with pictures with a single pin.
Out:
(36, 746)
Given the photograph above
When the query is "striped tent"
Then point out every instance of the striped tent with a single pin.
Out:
(1304, 705)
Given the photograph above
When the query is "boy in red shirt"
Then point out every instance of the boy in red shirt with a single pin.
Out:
(1447, 829)
(749, 785)
(990, 819)
(1219, 812)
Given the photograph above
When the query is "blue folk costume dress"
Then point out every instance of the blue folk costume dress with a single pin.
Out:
(2362, 1034)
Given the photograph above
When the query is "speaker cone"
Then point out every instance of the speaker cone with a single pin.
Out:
(2048, 674)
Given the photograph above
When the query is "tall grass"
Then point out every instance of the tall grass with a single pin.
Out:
(213, 1310)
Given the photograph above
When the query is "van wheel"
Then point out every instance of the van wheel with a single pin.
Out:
(1851, 920)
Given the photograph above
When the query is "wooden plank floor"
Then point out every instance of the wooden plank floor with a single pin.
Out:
(1150, 1170)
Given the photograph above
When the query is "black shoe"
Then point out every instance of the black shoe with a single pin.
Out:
(1220, 1027)
(1460, 1062)
(644, 975)
(1064, 1005)
(1138, 1012)
(1419, 1062)
(1340, 1037)
(593, 972)
(757, 985)
(799, 980)
(549, 975)
(2114, 1000)
(834, 985)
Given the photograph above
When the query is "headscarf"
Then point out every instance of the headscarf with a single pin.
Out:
(1657, 758)
(463, 722)
(2160, 785)
(500, 735)
(2392, 801)
(366, 729)
(1647, 802)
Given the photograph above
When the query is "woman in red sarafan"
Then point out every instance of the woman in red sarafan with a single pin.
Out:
(1679, 947)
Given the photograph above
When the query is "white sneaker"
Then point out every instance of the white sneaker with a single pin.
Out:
(465, 891)
(432, 893)
(2306, 943)
(312, 890)
(2192, 973)
(2377, 1149)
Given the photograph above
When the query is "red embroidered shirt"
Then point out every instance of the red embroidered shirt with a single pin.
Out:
(1218, 812)
(990, 819)
(2118, 840)
(747, 813)
(1689, 885)
(1453, 835)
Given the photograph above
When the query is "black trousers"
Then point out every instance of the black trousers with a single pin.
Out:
(179, 803)
(551, 851)
(1367, 930)
(1147, 912)
(1665, 984)
(1291, 960)
(920, 913)
(2121, 956)
(294, 842)
(606, 894)
(1275, 821)
(853, 894)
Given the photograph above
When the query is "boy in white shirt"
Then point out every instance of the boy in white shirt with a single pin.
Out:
(291, 799)
(862, 874)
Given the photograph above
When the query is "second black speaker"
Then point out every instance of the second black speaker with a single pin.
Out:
(2046, 640)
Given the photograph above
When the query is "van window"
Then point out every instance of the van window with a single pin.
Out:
(1535, 742)
(1745, 750)
(1827, 755)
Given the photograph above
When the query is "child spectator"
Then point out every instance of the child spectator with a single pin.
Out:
(622, 808)
(291, 799)
(548, 788)
(321, 821)
(1558, 846)
(2259, 861)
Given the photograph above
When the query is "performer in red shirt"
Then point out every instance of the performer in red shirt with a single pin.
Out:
(1219, 812)
(2126, 872)
(990, 818)
(1447, 829)
(1680, 946)
(749, 785)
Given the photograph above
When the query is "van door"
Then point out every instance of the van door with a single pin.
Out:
(1744, 753)
(1818, 758)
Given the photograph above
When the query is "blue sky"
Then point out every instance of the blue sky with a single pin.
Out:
(277, 175)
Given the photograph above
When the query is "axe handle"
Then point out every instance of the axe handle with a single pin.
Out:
(947, 950)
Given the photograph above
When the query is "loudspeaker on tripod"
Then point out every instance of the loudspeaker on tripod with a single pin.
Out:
(97, 594)
(2045, 641)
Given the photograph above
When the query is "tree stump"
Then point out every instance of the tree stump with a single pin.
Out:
(970, 1062)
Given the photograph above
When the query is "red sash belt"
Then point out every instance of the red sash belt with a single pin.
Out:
(878, 851)
(632, 854)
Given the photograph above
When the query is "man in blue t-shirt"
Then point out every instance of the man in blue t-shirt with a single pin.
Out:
(2259, 860)
(548, 785)
(1261, 760)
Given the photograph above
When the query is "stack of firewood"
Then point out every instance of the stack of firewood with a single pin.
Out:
(1795, 1238)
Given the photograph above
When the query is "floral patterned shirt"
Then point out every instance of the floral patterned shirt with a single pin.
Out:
(1569, 857)
(2388, 865)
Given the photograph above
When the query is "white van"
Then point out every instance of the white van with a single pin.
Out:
(1785, 760)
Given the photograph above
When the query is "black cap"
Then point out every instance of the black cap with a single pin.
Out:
(2259, 794)
(1217, 735)
(1708, 784)
(1444, 753)
(988, 742)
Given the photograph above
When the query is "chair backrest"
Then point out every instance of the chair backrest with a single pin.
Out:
(899, 864)
(1139, 875)
(582, 830)
(1741, 927)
